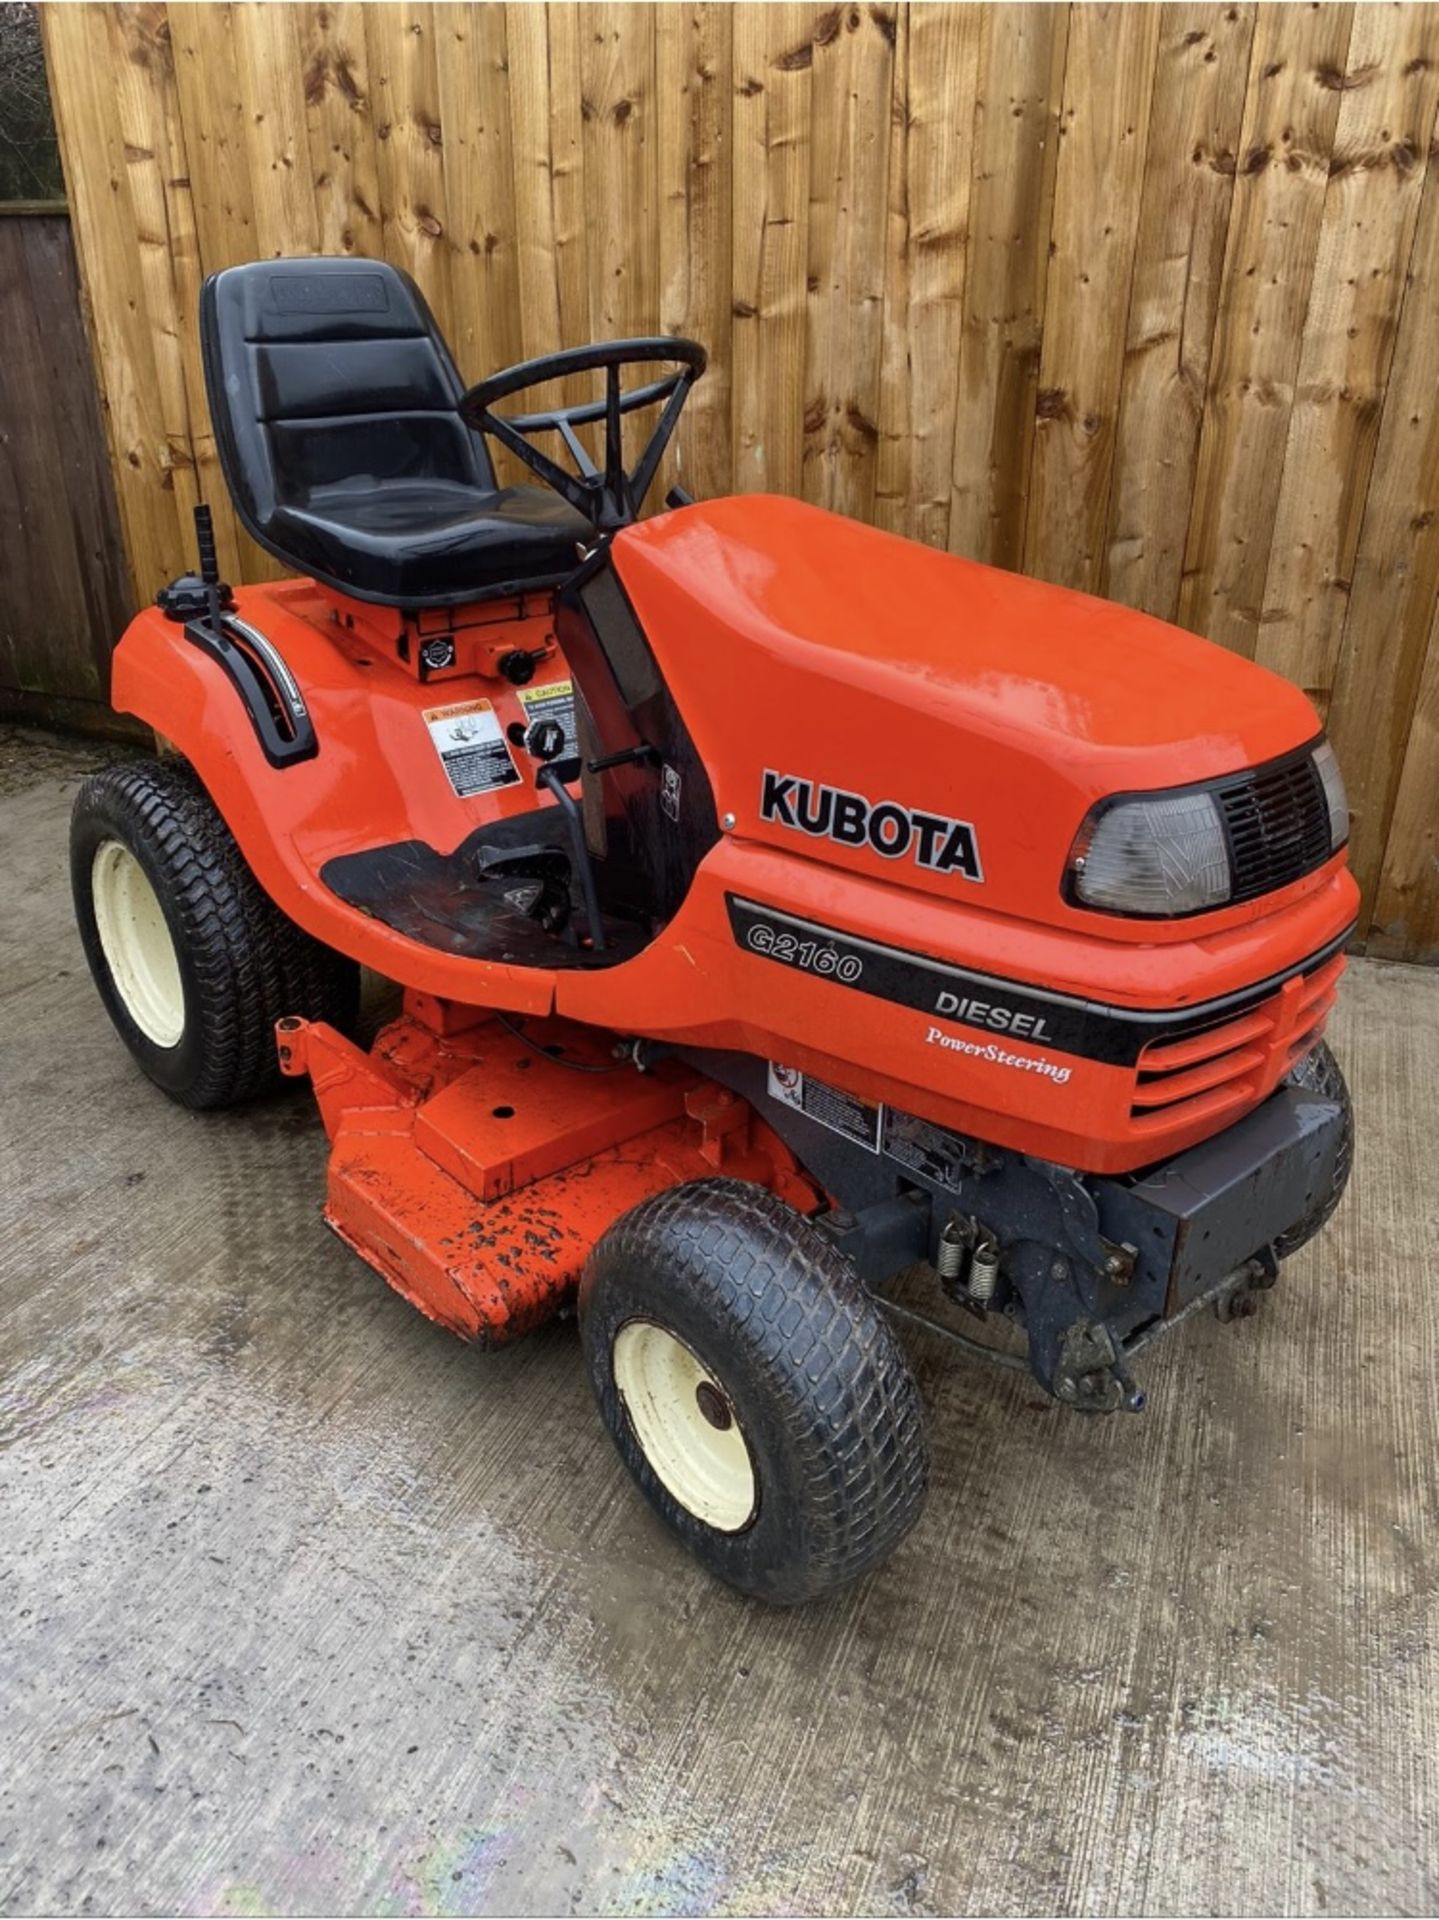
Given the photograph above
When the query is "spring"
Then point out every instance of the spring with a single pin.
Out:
(983, 1273)
(952, 1244)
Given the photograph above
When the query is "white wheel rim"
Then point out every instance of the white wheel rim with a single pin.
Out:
(137, 944)
(686, 1425)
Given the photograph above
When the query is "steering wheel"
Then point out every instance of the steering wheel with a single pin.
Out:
(610, 498)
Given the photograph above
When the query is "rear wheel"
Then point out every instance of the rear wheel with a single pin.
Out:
(193, 960)
(755, 1392)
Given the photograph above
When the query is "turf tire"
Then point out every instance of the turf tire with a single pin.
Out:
(1319, 1072)
(818, 1384)
(243, 964)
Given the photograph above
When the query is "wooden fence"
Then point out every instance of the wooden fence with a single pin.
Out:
(63, 588)
(1145, 300)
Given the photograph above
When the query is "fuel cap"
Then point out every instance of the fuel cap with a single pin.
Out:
(545, 739)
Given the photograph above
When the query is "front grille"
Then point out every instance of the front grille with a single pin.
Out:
(1277, 822)
(1228, 1066)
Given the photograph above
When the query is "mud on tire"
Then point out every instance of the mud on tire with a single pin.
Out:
(242, 964)
(774, 1318)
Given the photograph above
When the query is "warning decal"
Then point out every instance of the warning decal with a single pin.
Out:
(472, 747)
(553, 702)
(939, 1156)
(831, 1107)
(942, 1158)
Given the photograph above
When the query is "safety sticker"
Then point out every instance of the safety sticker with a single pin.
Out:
(830, 1106)
(472, 747)
(940, 1157)
(553, 702)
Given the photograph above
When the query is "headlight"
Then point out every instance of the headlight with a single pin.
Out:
(1332, 780)
(1160, 855)
(1155, 855)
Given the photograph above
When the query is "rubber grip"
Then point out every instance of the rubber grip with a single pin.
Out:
(205, 540)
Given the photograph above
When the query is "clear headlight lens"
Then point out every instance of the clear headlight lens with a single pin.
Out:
(1159, 855)
(1327, 767)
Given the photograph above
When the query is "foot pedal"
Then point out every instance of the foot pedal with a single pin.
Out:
(552, 905)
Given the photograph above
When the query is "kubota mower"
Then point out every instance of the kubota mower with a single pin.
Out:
(778, 905)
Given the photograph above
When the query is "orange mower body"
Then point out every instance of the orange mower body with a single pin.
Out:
(737, 851)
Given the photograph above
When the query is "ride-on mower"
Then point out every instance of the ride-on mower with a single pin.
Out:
(778, 904)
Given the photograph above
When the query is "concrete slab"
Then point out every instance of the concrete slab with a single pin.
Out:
(308, 1608)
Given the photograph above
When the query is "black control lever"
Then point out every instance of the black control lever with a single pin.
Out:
(643, 755)
(270, 692)
(549, 779)
(209, 563)
(545, 742)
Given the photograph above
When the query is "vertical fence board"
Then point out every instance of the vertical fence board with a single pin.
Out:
(1297, 75)
(1188, 182)
(212, 109)
(1385, 123)
(617, 66)
(694, 78)
(773, 58)
(1396, 567)
(282, 189)
(1406, 913)
(1015, 144)
(1176, 345)
(400, 41)
(1376, 174)
(932, 124)
(108, 241)
(472, 72)
(167, 252)
(215, 126)
(548, 172)
(63, 582)
(851, 97)
(78, 497)
(1103, 130)
(895, 457)
(44, 573)
(340, 124)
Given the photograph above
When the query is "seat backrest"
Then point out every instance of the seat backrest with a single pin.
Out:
(329, 373)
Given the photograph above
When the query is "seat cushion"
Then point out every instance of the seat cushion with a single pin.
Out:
(416, 541)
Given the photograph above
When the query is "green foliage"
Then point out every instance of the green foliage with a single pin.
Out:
(29, 156)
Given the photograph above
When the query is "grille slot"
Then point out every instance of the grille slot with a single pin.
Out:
(1225, 1067)
(1202, 1074)
(1277, 823)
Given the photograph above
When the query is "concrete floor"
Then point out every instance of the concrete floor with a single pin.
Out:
(307, 1608)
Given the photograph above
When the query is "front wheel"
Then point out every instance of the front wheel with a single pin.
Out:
(1319, 1072)
(753, 1389)
(193, 960)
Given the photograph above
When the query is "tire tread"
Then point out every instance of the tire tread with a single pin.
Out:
(251, 964)
(844, 1389)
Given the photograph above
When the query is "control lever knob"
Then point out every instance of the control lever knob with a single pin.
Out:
(518, 665)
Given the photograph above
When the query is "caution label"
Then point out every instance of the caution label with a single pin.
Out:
(938, 1156)
(472, 747)
(830, 1106)
(553, 702)
(928, 1150)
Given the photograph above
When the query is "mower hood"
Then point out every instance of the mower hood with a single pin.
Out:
(809, 654)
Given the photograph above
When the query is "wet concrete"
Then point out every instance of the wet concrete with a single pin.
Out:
(308, 1608)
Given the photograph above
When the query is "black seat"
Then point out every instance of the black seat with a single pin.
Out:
(335, 404)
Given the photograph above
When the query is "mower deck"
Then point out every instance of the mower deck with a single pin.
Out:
(474, 1164)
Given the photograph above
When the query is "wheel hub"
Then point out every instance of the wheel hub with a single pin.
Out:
(137, 944)
(713, 1405)
(686, 1426)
